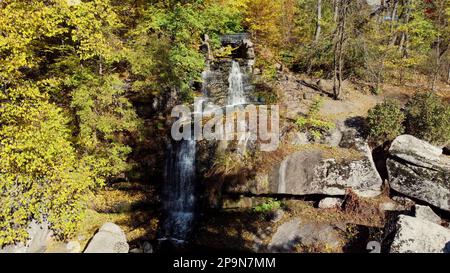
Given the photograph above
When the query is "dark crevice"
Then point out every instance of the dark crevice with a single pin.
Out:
(445, 215)
(379, 157)
(306, 197)
(446, 150)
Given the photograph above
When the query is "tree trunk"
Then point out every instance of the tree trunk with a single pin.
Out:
(317, 34)
(336, 10)
(441, 45)
(393, 15)
(437, 64)
(448, 76)
(338, 52)
(404, 36)
(319, 19)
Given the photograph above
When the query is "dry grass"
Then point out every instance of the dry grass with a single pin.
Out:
(267, 160)
(131, 206)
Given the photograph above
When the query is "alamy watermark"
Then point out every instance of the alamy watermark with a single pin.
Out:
(234, 122)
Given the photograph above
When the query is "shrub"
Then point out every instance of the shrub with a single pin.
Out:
(229, 163)
(224, 52)
(268, 206)
(385, 122)
(428, 118)
(312, 122)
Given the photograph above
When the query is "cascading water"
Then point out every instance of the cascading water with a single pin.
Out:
(179, 190)
(237, 97)
(236, 86)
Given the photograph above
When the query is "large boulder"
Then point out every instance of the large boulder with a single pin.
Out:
(416, 235)
(418, 152)
(419, 170)
(313, 172)
(296, 234)
(109, 239)
(318, 169)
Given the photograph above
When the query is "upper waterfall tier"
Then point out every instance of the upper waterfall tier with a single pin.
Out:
(236, 94)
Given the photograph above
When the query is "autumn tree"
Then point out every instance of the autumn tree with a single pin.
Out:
(60, 123)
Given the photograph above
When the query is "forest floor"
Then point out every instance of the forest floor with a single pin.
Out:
(356, 101)
(131, 205)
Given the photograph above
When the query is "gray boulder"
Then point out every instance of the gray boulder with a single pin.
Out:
(312, 172)
(147, 247)
(418, 152)
(277, 216)
(316, 170)
(426, 213)
(40, 234)
(333, 137)
(109, 239)
(419, 170)
(330, 202)
(300, 138)
(295, 233)
(416, 235)
(248, 48)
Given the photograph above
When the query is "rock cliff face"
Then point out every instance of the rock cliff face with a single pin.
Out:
(420, 170)
(311, 172)
(216, 79)
(315, 171)
(216, 75)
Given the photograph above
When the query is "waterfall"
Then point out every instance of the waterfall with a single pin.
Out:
(179, 190)
(236, 86)
(236, 97)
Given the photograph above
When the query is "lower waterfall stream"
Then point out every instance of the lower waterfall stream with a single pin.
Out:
(179, 190)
